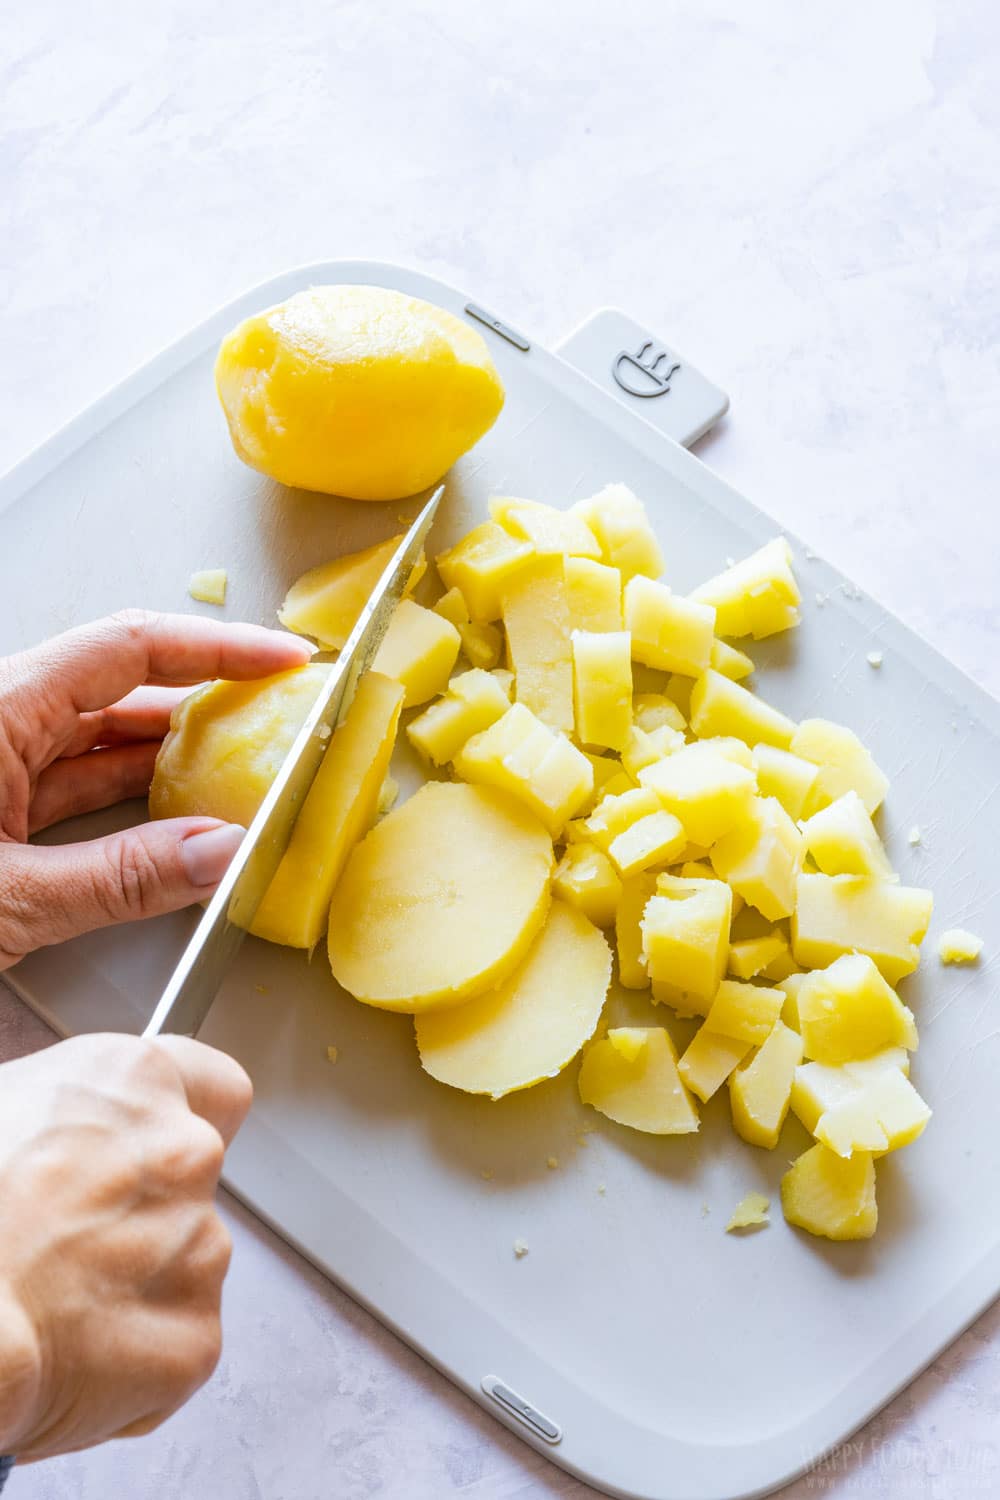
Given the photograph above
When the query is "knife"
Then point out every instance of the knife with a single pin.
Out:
(194, 983)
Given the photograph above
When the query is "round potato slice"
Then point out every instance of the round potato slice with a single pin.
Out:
(534, 1023)
(442, 899)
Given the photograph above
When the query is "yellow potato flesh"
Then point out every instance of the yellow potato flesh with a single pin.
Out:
(325, 602)
(639, 1087)
(536, 619)
(830, 1196)
(441, 900)
(227, 742)
(419, 650)
(340, 808)
(760, 1091)
(533, 1024)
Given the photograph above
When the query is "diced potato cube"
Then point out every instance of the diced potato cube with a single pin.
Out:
(884, 1114)
(481, 643)
(655, 839)
(760, 1090)
(209, 586)
(536, 618)
(746, 1012)
(788, 777)
(708, 792)
(722, 707)
(757, 596)
(752, 956)
(654, 710)
(602, 688)
(451, 606)
(848, 1011)
(685, 939)
(842, 840)
(549, 531)
(505, 679)
(818, 1087)
(762, 858)
(644, 747)
(829, 1196)
(669, 632)
(585, 878)
(837, 914)
(790, 987)
(619, 521)
(730, 662)
(750, 1213)
(845, 764)
(419, 650)
(629, 1040)
(638, 1086)
(678, 690)
(618, 811)
(781, 968)
(523, 756)
(473, 702)
(606, 768)
(636, 893)
(732, 748)
(481, 564)
(594, 592)
(708, 1061)
(956, 946)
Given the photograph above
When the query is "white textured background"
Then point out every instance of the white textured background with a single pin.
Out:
(802, 198)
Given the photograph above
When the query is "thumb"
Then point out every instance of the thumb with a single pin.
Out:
(55, 892)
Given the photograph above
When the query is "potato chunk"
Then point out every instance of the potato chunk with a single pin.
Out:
(533, 1024)
(884, 1113)
(635, 896)
(842, 840)
(829, 1196)
(761, 1089)
(473, 702)
(441, 900)
(956, 946)
(819, 1087)
(419, 650)
(836, 914)
(619, 521)
(720, 706)
(585, 878)
(788, 777)
(536, 618)
(730, 662)
(668, 632)
(209, 585)
(325, 602)
(685, 940)
(848, 1012)
(746, 1012)
(631, 1076)
(340, 808)
(594, 594)
(602, 688)
(481, 644)
(761, 859)
(708, 1061)
(481, 565)
(710, 793)
(550, 531)
(523, 756)
(845, 763)
(757, 596)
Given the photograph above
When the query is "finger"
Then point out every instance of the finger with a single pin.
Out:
(50, 894)
(84, 783)
(94, 665)
(217, 1088)
(141, 715)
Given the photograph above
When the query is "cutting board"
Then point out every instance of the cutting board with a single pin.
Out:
(636, 1343)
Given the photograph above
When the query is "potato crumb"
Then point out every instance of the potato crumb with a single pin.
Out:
(809, 555)
(486, 1174)
(324, 732)
(957, 946)
(750, 1213)
(875, 658)
(821, 599)
(331, 1054)
(914, 837)
(262, 989)
(387, 796)
(705, 1210)
(602, 1188)
(552, 1163)
(520, 1249)
(209, 586)
(582, 1140)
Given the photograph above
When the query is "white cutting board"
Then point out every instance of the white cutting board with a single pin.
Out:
(669, 1360)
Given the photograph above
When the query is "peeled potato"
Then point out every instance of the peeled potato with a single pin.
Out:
(534, 1023)
(226, 743)
(631, 1076)
(442, 900)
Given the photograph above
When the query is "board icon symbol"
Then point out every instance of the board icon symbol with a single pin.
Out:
(646, 373)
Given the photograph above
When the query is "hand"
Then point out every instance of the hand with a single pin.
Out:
(74, 737)
(111, 1255)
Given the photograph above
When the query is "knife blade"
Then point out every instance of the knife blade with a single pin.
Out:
(195, 981)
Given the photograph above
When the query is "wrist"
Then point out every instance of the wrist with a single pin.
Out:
(20, 1371)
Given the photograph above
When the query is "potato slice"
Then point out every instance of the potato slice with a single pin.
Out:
(631, 1076)
(838, 914)
(340, 808)
(441, 900)
(760, 1090)
(536, 618)
(594, 594)
(226, 743)
(326, 601)
(529, 1028)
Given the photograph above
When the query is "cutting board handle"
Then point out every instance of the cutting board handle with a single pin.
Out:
(645, 373)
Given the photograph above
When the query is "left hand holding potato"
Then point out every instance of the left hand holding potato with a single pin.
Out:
(81, 720)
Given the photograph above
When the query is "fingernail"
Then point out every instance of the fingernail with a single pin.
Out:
(206, 855)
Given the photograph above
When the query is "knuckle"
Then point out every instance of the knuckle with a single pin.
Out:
(132, 879)
(133, 623)
(194, 1154)
(206, 1349)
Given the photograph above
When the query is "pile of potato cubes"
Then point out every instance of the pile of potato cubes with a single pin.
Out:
(730, 851)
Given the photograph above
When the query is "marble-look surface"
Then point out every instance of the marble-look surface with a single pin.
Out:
(802, 198)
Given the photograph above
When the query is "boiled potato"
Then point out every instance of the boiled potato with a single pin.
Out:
(419, 650)
(760, 1090)
(441, 900)
(537, 621)
(631, 1076)
(831, 1196)
(531, 1025)
(758, 596)
(325, 602)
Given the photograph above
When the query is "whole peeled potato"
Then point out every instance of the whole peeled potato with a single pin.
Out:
(356, 390)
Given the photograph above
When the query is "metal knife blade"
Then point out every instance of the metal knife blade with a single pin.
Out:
(194, 983)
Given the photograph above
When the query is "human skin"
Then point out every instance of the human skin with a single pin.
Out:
(112, 1255)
